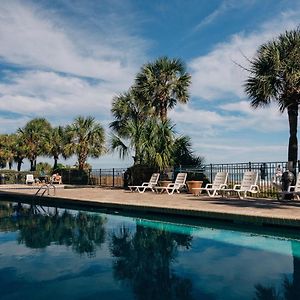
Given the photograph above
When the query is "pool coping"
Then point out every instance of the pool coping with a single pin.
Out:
(238, 218)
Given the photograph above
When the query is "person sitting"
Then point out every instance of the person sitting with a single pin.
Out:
(56, 178)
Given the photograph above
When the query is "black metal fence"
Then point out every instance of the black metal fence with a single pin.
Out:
(107, 177)
(114, 177)
(266, 171)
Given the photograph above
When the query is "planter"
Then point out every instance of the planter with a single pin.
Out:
(164, 183)
(193, 184)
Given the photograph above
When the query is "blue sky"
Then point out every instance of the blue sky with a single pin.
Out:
(64, 58)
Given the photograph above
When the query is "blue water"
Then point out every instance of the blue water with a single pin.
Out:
(58, 253)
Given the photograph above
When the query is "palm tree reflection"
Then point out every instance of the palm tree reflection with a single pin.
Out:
(144, 261)
(83, 232)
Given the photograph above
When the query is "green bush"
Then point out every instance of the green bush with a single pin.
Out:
(138, 174)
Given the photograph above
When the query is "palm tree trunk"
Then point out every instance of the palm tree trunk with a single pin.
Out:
(32, 165)
(19, 164)
(55, 162)
(293, 141)
(163, 111)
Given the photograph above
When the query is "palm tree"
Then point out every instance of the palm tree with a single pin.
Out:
(20, 150)
(6, 150)
(54, 144)
(183, 154)
(33, 135)
(163, 83)
(158, 144)
(130, 115)
(275, 76)
(139, 130)
(85, 138)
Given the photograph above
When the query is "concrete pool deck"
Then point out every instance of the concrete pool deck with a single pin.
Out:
(251, 210)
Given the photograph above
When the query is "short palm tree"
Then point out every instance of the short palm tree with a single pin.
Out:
(275, 76)
(6, 153)
(33, 135)
(54, 144)
(163, 83)
(183, 154)
(85, 138)
(20, 150)
(158, 144)
(130, 114)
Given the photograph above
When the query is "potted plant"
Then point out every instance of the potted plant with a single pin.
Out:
(194, 180)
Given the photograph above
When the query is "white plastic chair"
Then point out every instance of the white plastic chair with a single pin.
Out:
(146, 185)
(29, 179)
(248, 185)
(176, 186)
(219, 183)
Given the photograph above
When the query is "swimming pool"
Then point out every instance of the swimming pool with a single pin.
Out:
(48, 252)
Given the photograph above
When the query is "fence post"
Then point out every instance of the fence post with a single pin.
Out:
(211, 175)
(113, 177)
(69, 176)
(250, 166)
(100, 177)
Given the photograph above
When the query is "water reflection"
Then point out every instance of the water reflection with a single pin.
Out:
(127, 258)
(38, 228)
(290, 287)
(144, 259)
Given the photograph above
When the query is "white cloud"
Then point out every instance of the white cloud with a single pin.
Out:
(224, 7)
(31, 37)
(39, 92)
(231, 117)
(69, 69)
(218, 74)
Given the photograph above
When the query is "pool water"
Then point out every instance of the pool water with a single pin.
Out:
(58, 253)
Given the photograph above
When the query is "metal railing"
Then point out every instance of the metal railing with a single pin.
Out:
(114, 177)
(266, 172)
(107, 177)
(45, 188)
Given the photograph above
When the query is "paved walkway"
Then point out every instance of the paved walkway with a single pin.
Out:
(259, 211)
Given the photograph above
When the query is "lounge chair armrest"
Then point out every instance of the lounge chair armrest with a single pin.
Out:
(254, 187)
(208, 185)
(145, 184)
(171, 185)
(223, 186)
(237, 187)
(291, 188)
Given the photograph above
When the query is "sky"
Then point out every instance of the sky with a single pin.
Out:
(63, 58)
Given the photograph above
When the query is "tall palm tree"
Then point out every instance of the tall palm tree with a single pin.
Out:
(163, 83)
(275, 76)
(33, 134)
(85, 138)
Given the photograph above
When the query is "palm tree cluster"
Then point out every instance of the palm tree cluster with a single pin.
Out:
(83, 138)
(141, 124)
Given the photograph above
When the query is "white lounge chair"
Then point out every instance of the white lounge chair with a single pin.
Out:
(248, 185)
(176, 186)
(146, 185)
(293, 190)
(29, 179)
(219, 183)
